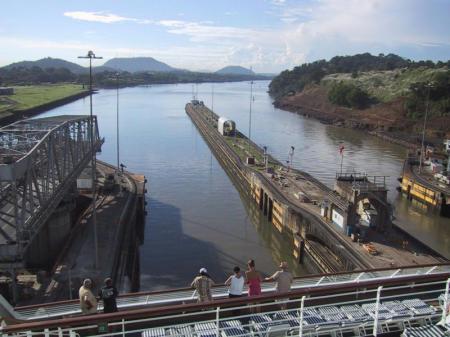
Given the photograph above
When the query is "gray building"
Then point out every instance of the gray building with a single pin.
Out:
(6, 91)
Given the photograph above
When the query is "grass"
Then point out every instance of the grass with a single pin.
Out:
(26, 97)
(241, 148)
(385, 85)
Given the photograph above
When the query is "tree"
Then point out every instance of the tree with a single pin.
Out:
(348, 95)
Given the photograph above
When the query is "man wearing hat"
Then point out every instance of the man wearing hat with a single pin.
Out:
(202, 284)
(283, 278)
(108, 294)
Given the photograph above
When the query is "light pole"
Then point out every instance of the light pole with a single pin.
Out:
(212, 96)
(90, 55)
(250, 116)
(117, 122)
(422, 148)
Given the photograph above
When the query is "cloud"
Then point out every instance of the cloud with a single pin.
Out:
(102, 17)
(303, 31)
(278, 2)
(206, 31)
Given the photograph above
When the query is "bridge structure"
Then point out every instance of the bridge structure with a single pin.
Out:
(40, 160)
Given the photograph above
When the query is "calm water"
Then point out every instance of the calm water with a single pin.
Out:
(196, 216)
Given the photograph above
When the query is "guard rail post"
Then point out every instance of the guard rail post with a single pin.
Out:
(300, 322)
(377, 308)
(446, 302)
(217, 322)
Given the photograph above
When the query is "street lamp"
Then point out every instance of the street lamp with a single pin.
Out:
(250, 116)
(117, 122)
(90, 55)
(422, 149)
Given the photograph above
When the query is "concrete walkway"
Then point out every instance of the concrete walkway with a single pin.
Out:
(77, 259)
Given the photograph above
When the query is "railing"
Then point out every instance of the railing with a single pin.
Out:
(165, 298)
(360, 312)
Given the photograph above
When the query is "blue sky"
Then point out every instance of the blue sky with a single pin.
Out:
(268, 35)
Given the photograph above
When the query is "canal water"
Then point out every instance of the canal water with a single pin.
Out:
(196, 217)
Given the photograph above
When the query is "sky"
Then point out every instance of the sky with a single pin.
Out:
(205, 35)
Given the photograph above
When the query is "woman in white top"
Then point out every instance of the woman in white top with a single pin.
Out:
(236, 283)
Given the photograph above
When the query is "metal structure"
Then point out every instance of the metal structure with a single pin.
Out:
(362, 303)
(40, 160)
(91, 56)
(186, 295)
(422, 147)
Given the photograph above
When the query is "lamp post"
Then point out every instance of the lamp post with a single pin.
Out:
(117, 122)
(422, 148)
(212, 97)
(250, 116)
(90, 55)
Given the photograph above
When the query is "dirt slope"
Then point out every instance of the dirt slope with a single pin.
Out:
(388, 117)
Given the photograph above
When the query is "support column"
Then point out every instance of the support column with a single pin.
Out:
(47, 244)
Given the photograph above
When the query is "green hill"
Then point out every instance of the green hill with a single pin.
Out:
(235, 70)
(385, 85)
(49, 62)
(138, 64)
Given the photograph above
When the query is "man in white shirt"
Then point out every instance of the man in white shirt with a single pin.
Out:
(88, 302)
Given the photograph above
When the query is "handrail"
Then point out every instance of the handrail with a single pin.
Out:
(309, 290)
(299, 278)
(405, 288)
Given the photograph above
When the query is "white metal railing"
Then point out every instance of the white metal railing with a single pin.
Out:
(188, 296)
(369, 313)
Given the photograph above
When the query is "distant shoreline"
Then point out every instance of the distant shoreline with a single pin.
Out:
(27, 113)
(336, 120)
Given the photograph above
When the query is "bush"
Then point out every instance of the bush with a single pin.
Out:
(438, 94)
(348, 95)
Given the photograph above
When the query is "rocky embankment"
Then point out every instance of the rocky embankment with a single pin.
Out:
(386, 120)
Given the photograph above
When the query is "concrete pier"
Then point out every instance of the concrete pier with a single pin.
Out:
(293, 201)
(120, 211)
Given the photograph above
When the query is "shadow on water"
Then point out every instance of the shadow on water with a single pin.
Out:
(167, 243)
(281, 244)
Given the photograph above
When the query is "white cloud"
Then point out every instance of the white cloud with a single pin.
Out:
(278, 2)
(206, 31)
(102, 17)
(305, 31)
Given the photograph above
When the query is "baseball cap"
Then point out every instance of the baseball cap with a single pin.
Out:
(203, 271)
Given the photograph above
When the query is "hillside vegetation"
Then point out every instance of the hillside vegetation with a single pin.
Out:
(385, 85)
(296, 79)
(384, 92)
(26, 75)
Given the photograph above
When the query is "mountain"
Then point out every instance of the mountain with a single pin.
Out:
(49, 63)
(138, 64)
(235, 70)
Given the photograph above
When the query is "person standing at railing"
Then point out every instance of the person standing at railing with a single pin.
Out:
(283, 278)
(108, 294)
(254, 280)
(202, 284)
(88, 302)
(236, 283)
